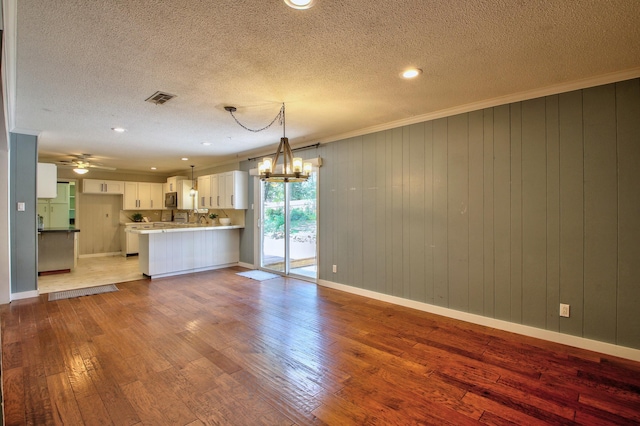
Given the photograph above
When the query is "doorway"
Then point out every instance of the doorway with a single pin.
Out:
(289, 225)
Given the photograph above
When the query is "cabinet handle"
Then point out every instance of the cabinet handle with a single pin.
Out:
(218, 201)
(232, 199)
(211, 201)
(151, 203)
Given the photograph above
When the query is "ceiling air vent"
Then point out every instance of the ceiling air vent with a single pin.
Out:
(159, 98)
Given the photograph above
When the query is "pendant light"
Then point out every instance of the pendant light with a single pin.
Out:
(293, 169)
(192, 192)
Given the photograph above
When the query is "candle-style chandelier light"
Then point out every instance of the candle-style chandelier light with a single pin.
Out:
(293, 169)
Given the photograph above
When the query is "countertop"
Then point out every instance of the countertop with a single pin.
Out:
(185, 228)
(69, 229)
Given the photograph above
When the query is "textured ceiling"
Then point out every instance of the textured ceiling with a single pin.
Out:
(84, 67)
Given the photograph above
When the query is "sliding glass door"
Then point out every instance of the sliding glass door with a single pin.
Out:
(289, 227)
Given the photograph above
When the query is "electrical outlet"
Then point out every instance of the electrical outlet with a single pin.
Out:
(335, 268)
(564, 310)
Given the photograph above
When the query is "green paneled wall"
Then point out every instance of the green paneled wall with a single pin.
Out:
(23, 165)
(504, 212)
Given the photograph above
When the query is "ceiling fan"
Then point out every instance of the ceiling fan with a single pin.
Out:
(81, 165)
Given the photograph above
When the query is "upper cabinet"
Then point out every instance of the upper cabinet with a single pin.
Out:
(208, 191)
(95, 186)
(186, 201)
(172, 183)
(224, 191)
(157, 196)
(47, 179)
(143, 196)
(232, 190)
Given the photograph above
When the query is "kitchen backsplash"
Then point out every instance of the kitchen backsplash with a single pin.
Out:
(237, 216)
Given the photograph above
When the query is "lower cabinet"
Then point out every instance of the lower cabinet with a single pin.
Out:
(130, 240)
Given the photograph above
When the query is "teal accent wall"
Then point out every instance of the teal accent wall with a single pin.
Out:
(23, 160)
(504, 212)
(246, 234)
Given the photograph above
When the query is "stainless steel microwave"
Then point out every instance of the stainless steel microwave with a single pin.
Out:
(171, 200)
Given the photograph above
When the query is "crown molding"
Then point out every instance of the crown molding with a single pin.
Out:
(489, 103)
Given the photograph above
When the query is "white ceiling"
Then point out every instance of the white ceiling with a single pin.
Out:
(84, 67)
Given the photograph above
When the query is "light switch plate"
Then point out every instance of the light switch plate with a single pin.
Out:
(21, 206)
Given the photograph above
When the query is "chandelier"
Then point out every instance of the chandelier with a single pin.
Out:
(293, 169)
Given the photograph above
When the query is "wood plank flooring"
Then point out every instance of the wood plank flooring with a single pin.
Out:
(217, 348)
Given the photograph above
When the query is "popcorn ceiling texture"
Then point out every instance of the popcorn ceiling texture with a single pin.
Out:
(86, 66)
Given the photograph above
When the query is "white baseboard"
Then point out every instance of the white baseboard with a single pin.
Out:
(24, 295)
(247, 265)
(552, 336)
(115, 253)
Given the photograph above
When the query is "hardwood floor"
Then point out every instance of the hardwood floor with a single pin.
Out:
(217, 348)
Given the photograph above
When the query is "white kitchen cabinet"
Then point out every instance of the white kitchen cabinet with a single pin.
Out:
(223, 190)
(204, 191)
(207, 199)
(215, 191)
(95, 186)
(185, 200)
(130, 199)
(172, 183)
(46, 184)
(129, 240)
(232, 190)
(142, 196)
(157, 196)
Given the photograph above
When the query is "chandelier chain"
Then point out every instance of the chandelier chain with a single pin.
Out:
(280, 116)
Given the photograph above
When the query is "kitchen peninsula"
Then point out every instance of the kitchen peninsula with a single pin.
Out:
(185, 249)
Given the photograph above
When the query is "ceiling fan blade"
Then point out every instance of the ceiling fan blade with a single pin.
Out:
(95, 166)
(81, 161)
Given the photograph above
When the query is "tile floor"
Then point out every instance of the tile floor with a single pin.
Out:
(93, 271)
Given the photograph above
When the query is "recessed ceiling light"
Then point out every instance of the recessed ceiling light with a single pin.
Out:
(184, 159)
(153, 168)
(411, 73)
(299, 4)
(206, 143)
(119, 129)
